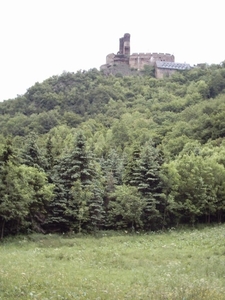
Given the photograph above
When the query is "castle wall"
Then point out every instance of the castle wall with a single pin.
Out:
(110, 58)
(139, 60)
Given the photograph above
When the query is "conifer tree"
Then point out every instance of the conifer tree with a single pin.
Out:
(31, 155)
(114, 165)
(112, 171)
(49, 155)
(77, 209)
(131, 174)
(74, 166)
(150, 186)
(96, 204)
(8, 161)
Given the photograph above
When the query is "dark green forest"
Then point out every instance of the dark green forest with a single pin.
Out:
(82, 152)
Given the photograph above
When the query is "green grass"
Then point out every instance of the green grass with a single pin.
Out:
(177, 264)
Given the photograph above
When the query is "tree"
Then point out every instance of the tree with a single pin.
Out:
(150, 186)
(75, 166)
(31, 155)
(125, 208)
(170, 178)
(41, 193)
(199, 188)
(120, 134)
(97, 208)
(24, 192)
(149, 71)
(113, 164)
(15, 197)
(143, 172)
(13, 201)
(77, 209)
(131, 173)
(216, 83)
(49, 155)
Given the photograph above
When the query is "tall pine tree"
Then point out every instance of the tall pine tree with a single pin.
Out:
(73, 168)
(149, 184)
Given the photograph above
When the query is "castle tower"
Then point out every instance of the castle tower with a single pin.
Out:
(126, 44)
(121, 45)
(124, 48)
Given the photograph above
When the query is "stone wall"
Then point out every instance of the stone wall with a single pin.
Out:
(139, 60)
(110, 58)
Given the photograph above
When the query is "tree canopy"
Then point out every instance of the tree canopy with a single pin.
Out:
(84, 151)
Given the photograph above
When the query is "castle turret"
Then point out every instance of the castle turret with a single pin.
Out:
(126, 44)
(124, 48)
(121, 46)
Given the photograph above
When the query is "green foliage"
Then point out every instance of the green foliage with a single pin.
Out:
(62, 184)
(148, 71)
(42, 192)
(24, 193)
(197, 187)
(15, 198)
(131, 174)
(77, 207)
(31, 155)
(73, 176)
(125, 208)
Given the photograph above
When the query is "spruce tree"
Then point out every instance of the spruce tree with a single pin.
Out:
(49, 156)
(150, 186)
(8, 161)
(131, 174)
(75, 166)
(31, 155)
(96, 203)
(112, 172)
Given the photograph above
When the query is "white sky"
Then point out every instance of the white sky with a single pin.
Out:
(42, 38)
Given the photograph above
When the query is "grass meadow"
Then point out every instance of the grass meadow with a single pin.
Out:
(177, 264)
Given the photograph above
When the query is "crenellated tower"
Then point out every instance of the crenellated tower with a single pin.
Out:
(125, 45)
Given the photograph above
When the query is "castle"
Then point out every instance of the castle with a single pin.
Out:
(123, 61)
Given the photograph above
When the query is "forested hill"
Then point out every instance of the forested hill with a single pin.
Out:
(78, 147)
(190, 104)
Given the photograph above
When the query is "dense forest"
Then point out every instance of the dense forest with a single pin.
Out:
(82, 152)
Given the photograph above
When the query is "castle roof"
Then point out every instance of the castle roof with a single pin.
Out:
(172, 65)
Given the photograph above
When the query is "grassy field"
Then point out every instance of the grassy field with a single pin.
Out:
(177, 264)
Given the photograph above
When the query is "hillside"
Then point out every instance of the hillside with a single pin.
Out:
(87, 145)
(71, 99)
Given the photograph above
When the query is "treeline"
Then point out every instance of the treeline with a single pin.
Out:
(83, 152)
(78, 191)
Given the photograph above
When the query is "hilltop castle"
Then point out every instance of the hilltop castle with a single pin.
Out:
(123, 61)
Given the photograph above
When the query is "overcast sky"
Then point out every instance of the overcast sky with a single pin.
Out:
(42, 38)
